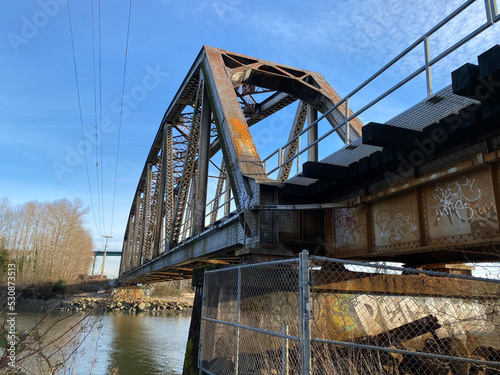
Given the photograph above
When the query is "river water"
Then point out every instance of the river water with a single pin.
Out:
(118, 343)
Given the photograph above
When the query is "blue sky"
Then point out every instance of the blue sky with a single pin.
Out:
(41, 136)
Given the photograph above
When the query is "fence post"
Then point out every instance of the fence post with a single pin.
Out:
(305, 311)
(237, 339)
(284, 351)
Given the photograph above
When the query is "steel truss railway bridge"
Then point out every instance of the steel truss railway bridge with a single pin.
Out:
(421, 189)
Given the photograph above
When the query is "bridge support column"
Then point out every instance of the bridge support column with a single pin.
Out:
(193, 343)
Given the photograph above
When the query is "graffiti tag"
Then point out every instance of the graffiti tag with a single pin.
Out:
(452, 201)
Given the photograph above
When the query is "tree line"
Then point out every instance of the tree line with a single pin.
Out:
(46, 240)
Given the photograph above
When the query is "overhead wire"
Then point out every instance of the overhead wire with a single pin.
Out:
(100, 119)
(121, 115)
(80, 114)
(99, 198)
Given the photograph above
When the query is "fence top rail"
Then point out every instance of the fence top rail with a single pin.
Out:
(359, 264)
(403, 269)
(263, 264)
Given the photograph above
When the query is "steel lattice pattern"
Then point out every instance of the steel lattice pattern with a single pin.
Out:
(415, 320)
(364, 319)
(259, 329)
(163, 214)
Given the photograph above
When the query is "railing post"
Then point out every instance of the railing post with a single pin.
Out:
(305, 311)
(491, 10)
(312, 134)
(347, 136)
(428, 74)
(298, 154)
(227, 206)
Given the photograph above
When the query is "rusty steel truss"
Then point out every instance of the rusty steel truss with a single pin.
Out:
(212, 112)
(419, 184)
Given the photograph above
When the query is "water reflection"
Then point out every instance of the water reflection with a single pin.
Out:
(147, 344)
(141, 343)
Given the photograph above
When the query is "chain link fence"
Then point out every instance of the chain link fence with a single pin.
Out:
(316, 315)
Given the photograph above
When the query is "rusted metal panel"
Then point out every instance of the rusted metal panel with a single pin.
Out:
(395, 222)
(231, 122)
(313, 227)
(349, 228)
(455, 213)
(462, 208)
(289, 226)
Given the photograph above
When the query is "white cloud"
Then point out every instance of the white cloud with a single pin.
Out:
(370, 33)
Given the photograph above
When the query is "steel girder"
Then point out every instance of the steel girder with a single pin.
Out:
(164, 210)
(169, 183)
(189, 169)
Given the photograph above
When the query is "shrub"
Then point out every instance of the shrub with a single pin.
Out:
(59, 286)
(4, 260)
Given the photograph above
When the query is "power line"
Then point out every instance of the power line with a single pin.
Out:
(80, 113)
(95, 121)
(100, 117)
(121, 112)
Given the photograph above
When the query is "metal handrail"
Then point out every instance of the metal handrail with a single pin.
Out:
(217, 196)
(221, 206)
(492, 16)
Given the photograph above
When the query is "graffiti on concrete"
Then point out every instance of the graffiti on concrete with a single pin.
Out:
(377, 314)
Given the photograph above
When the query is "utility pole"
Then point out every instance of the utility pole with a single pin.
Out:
(104, 256)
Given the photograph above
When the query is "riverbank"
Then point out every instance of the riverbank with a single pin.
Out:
(109, 303)
(104, 342)
(106, 301)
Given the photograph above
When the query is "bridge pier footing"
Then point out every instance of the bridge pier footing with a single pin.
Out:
(193, 342)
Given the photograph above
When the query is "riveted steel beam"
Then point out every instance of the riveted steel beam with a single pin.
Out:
(187, 175)
(312, 134)
(169, 183)
(240, 154)
(203, 163)
(147, 235)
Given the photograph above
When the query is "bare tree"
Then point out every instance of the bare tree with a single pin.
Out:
(46, 240)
